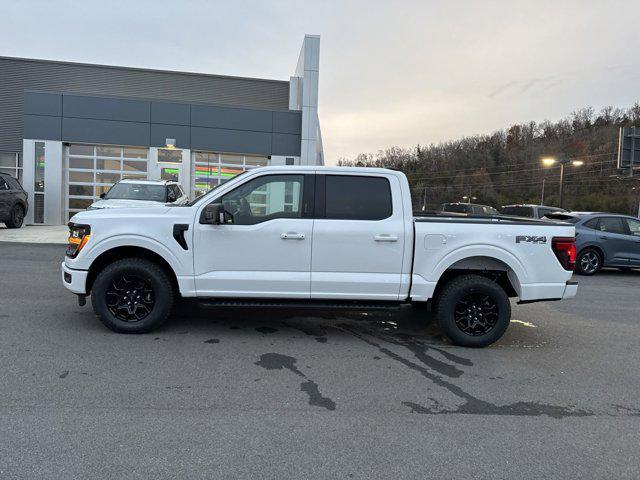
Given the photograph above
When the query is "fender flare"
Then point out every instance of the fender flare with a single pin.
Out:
(138, 241)
(492, 252)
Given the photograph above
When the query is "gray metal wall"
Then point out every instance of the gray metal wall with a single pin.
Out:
(19, 75)
(122, 121)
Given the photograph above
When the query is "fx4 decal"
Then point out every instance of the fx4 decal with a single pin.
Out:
(530, 239)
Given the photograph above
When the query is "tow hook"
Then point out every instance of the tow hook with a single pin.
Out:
(82, 300)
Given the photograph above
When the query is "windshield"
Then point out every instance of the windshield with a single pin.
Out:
(455, 207)
(137, 191)
(518, 211)
(197, 199)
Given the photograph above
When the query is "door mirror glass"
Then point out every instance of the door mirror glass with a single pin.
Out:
(212, 214)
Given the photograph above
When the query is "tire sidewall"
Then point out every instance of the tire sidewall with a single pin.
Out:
(459, 289)
(579, 269)
(153, 275)
(12, 219)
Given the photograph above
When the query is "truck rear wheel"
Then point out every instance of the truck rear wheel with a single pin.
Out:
(473, 311)
(132, 295)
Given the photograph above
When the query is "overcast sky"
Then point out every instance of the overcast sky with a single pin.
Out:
(391, 72)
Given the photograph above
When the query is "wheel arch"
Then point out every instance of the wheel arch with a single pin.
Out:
(118, 253)
(493, 268)
(594, 246)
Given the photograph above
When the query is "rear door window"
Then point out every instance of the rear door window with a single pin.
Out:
(611, 225)
(634, 227)
(350, 197)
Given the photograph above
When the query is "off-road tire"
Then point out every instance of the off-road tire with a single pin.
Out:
(155, 278)
(455, 292)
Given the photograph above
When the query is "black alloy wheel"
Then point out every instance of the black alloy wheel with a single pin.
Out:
(476, 314)
(130, 298)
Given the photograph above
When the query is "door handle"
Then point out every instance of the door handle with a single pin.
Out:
(292, 236)
(383, 237)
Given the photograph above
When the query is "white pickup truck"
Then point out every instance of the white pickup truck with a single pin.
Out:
(316, 236)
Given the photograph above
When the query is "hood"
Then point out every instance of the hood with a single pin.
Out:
(123, 213)
(123, 203)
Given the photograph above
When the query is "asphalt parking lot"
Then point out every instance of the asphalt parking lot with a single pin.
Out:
(314, 394)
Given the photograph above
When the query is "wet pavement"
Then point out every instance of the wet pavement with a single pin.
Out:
(248, 393)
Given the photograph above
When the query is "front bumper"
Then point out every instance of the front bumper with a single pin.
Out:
(74, 280)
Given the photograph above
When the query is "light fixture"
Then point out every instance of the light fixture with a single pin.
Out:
(549, 161)
(170, 142)
(577, 163)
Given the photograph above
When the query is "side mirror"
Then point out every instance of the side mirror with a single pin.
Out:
(103, 194)
(213, 214)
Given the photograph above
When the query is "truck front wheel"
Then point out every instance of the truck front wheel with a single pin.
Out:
(473, 311)
(132, 295)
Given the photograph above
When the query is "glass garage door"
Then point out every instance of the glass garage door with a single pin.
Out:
(92, 169)
(213, 169)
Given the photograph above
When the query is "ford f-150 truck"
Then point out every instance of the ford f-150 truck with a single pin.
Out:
(316, 236)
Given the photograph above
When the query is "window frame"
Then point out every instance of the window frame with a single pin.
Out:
(308, 188)
(321, 197)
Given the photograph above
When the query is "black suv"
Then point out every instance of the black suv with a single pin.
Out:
(13, 201)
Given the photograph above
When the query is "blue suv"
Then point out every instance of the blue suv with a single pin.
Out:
(604, 240)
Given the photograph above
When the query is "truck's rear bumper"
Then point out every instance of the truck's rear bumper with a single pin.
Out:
(570, 290)
(74, 280)
(548, 291)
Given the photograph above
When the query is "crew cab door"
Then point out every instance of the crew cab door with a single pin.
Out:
(358, 237)
(264, 247)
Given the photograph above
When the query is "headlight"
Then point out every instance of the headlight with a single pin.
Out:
(78, 237)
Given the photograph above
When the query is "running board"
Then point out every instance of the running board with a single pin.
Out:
(330, 304)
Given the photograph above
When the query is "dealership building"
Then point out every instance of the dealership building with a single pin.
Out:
(68, 131)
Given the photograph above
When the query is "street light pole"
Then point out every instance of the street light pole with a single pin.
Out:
(549, 161)
(562, 163)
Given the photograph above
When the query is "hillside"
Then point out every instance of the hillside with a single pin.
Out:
(504, 167)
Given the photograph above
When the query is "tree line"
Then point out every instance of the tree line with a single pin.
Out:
(505, 167)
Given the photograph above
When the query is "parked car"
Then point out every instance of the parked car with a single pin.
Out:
(13, 201)
(250, 242)
(604, 240)
(141, 193)
(529, 211)
(469, 208)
